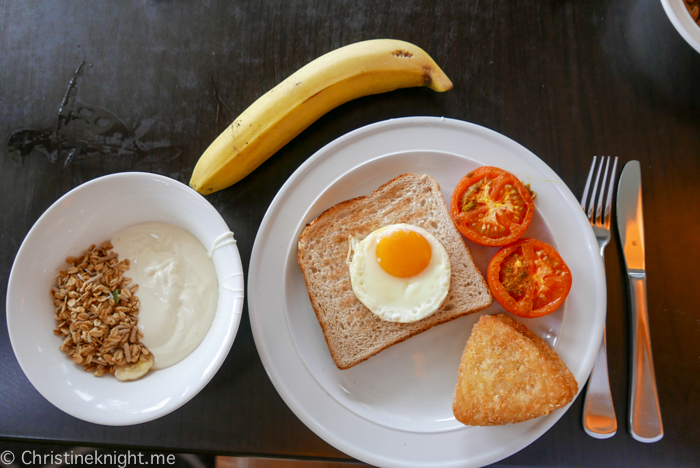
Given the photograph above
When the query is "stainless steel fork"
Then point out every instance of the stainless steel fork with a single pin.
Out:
(598, 411)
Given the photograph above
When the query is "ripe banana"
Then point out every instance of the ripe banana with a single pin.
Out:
(353, 71)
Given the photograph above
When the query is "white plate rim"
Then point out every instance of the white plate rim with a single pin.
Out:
(683, 22)
(358, 445)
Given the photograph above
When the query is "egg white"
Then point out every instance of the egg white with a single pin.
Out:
(396, 299)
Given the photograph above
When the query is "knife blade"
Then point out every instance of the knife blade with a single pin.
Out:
(644, 413)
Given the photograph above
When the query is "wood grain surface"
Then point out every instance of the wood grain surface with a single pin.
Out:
(88, 89)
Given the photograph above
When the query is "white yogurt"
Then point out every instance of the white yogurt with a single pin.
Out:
(178, 288)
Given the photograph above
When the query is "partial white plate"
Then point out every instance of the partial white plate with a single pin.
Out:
(683, 22)
(395, 408)
(91, 214)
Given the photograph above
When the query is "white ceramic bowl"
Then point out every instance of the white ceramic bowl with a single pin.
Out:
(91, 214)
(683, 22)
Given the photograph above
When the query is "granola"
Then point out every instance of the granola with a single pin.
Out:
(96, 311)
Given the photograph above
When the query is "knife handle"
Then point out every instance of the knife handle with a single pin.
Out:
(645, 413)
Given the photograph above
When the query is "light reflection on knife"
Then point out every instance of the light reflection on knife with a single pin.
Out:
(645, 413)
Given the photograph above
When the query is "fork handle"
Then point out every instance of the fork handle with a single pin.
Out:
(645, 413)
(599, 419)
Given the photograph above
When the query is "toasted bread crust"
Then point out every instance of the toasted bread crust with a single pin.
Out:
(508, 374)
(352, 332)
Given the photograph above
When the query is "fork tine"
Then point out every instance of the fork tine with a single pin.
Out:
(611, 188)
(588, 184)
(594, 193)
(601, 198)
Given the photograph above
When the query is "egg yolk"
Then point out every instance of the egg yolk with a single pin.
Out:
(403, 253)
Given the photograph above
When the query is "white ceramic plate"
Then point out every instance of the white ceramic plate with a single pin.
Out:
(395, 408)
(91, 214)
(683, 22)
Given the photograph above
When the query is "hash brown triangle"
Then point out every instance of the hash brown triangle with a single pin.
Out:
(508, 374)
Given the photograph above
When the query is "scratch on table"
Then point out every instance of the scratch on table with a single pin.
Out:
(82, 131)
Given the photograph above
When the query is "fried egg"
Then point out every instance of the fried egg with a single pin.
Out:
(401, 272)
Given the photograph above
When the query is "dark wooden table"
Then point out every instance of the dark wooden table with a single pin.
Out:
(88, 89)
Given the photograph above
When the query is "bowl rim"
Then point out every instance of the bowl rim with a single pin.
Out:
(683, 22)
(220, 351)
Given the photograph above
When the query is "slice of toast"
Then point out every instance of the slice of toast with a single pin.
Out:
(508, 374)
(352, 332)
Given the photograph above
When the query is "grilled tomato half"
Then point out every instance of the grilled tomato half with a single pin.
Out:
(491, 206)
(529, 278)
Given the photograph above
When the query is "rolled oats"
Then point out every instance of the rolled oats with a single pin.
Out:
(96, 312)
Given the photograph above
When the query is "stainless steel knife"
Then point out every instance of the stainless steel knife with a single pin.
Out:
(645, 413)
